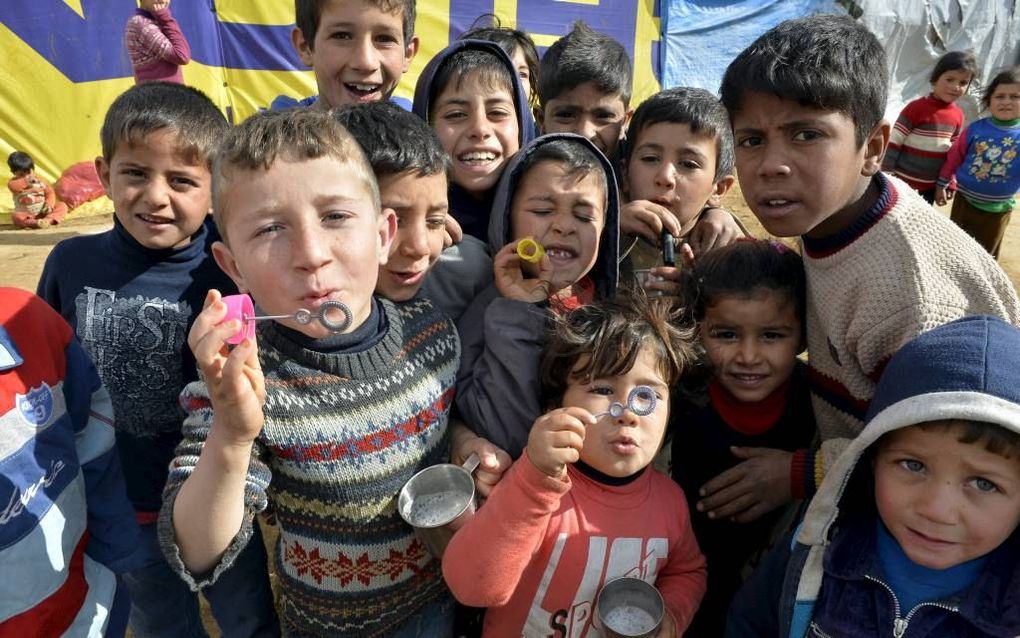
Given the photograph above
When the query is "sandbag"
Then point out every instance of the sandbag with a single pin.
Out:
(79, 184)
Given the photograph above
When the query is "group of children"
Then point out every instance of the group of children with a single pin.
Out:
(459, 345)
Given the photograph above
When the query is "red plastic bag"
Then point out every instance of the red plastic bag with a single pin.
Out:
(79, 184)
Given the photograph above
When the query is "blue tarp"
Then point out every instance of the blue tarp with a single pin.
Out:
(701, 37)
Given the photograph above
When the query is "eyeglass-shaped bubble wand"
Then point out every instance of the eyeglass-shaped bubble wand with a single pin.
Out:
(641, 401)
(334, 315)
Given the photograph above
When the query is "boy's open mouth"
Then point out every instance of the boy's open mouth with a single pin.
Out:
(153, 219)
(478, 158)
(362, 90)
(560, 253)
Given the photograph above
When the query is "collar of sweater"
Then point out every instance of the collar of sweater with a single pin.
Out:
(827, 246)
(195, 247)
(750, 419)
(369, 363)
(631, 495)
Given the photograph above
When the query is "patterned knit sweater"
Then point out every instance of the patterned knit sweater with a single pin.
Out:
(156, 46)
(923, 133)
(900, 270)
(343, 432)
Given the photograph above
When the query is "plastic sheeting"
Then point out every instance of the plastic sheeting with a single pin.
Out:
(917, 32)
(701, 37)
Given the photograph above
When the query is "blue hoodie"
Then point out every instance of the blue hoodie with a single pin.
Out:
(471, 212)
(498, 389)
(830, 582)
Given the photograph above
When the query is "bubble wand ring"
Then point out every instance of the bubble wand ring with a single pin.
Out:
(530, 250)
(641, 401)
(240, 307)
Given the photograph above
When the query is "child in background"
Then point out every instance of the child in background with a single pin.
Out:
(677, 164)
(914, 530)
(517, 44)
(806, 101)
(584, 88)
(326, 427)
(471, 95)
(983, 160)
(581, 506)
(67, 528)
(561, 192)
(131, 294)
(411, 167)
(928, 126)
(740, 441)
(35, 203)
(155, 44)
(357, 49)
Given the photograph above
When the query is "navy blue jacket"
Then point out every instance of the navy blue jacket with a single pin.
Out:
(824, 582)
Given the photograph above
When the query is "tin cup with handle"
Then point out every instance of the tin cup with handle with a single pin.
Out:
(630, 608)
(439, 500)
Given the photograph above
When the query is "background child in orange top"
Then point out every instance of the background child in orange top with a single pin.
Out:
(35, 203)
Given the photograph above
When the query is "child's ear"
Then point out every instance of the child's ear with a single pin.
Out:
(874, 148)
(302, 46)
(410, 51)
(721, 188)
(225, 259)
(538, 112)
(387, 231)
(103, 170)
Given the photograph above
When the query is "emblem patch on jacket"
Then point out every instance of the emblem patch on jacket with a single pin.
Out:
(36, 407)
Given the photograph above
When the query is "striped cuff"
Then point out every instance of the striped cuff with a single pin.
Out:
(806, 473)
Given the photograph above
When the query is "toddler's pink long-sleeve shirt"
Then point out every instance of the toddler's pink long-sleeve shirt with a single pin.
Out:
(539, 550)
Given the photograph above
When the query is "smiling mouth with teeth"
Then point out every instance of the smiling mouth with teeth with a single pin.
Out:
(363, 89)
(477, 157)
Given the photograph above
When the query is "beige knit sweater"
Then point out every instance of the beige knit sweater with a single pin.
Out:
(900, 270)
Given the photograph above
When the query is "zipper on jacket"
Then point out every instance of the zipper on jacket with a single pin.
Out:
(900, 624)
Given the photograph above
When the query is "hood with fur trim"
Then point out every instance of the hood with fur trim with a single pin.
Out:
(605, 271)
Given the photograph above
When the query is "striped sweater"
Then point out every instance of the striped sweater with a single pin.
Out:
(156, 46)
(66, 525)
(923, 133)
(343, 432)
(898, 271)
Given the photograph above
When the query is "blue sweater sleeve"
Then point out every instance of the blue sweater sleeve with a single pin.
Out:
(113, 530)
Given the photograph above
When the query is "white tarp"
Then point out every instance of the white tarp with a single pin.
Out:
(701, 37)
(916, 32)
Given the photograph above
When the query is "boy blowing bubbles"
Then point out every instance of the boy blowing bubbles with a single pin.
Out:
(300, 216)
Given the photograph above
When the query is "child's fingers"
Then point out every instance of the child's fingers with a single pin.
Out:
(210, 347)
(734, 503)
(213, 312)
(722, 481)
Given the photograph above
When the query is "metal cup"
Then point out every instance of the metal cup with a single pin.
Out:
(437, 501)
(630, 608)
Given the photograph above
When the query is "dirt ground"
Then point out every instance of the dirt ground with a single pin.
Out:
(23, 252)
